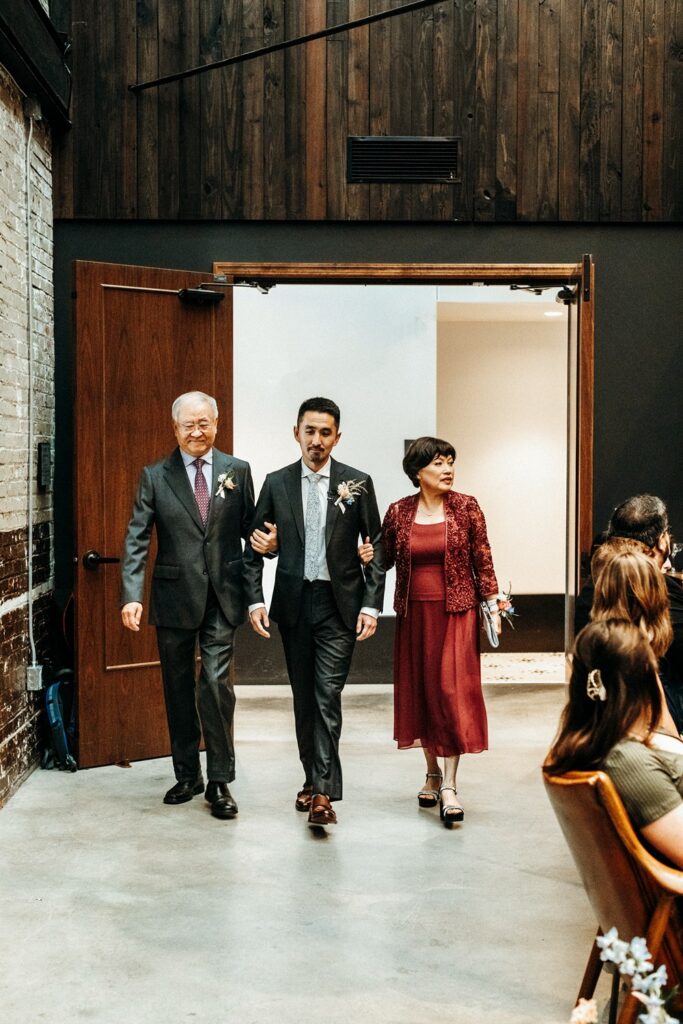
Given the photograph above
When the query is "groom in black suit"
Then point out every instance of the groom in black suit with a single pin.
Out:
(201, 503)
(311, 514)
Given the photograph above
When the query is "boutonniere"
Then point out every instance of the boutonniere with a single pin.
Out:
(347, 492)
(226, 482)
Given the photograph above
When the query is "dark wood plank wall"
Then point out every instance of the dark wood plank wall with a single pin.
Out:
(569, 110)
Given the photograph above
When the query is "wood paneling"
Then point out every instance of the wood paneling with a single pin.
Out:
(336, 91)
(485, 112)
(569, 110)
(632, 115)
(313, 59)
(506, 111)
(463, 55)
(274, 193)
(527, 112)
(358, 84)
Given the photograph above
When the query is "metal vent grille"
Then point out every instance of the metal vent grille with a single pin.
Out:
(401, 158)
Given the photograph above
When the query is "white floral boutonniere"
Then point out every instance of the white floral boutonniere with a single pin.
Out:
(347, 492)
(226, 482)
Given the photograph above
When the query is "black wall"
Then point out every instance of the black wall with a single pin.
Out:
(638, 336)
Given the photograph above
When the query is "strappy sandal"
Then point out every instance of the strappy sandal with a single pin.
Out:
(429, 797)
(451, 814)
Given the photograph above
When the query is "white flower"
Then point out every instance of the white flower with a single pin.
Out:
(628, 967)
(226, 482)
(651, 1001)
(639, 948)
(347, 491)
(657, 1016)
(613, 951)
(634, 961)
(650, 982)
(605, 941)
(585, 1012)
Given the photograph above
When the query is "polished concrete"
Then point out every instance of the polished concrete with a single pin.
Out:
(116, 909)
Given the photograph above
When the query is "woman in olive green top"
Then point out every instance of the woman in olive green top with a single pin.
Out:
(613, 721)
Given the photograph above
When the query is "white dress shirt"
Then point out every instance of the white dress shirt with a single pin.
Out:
(323, 493)
(207, 468)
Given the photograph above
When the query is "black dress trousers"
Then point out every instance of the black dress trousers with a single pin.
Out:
(318, 650)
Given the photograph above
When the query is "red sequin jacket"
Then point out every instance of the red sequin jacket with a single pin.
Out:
(468, 567)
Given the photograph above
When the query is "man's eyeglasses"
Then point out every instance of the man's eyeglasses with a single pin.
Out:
(189, 428)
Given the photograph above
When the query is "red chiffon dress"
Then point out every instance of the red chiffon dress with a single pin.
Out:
(438, 702)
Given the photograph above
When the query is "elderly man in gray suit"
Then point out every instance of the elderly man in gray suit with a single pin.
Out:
(201, 503)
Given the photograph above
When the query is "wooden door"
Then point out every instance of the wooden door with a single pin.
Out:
(138, 346)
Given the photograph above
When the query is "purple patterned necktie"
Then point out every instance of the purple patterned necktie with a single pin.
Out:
(201, 491)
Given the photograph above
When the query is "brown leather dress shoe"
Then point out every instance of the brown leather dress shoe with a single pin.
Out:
(321, 812)
(303, 799)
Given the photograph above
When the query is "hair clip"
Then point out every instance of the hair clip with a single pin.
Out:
(595, 688)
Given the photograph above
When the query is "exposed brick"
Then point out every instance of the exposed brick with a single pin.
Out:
(13, 563)
(19, 710)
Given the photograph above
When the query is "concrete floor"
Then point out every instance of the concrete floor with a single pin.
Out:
(116, 909)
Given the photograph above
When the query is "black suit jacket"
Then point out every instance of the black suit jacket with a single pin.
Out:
(188, 555)
(280, 503)
(671, 665)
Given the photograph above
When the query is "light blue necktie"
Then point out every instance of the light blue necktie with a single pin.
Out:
(313, 524)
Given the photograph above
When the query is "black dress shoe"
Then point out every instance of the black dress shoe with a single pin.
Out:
(222, 803)
(184, 791)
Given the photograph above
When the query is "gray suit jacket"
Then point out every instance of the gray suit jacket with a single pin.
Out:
(280, 502)
(188, 555)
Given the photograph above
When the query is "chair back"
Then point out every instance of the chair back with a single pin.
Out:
(624, 882)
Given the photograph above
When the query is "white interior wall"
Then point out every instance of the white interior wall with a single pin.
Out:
(501, 401)
(372, 349)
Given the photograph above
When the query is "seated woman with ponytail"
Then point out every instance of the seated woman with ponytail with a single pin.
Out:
(613, 722)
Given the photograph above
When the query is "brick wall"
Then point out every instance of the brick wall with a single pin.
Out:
(19, 709)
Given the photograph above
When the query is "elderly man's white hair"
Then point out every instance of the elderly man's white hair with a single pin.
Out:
(193, 396)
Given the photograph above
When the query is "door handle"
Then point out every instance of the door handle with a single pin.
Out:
(91, 559)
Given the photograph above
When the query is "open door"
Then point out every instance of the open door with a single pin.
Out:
(578, 277)
(138, 346)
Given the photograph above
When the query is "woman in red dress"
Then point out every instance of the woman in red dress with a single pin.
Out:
(437, 540)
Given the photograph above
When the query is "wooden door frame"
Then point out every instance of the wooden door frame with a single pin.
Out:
(580, 275)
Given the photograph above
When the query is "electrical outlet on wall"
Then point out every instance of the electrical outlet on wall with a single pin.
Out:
(34, 677)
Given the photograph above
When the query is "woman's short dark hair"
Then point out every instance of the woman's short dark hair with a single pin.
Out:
(627, 667)
(421, 452)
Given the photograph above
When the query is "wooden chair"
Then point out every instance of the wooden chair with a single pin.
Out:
(627, 886)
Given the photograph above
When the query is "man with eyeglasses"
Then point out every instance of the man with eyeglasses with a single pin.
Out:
(201, 502)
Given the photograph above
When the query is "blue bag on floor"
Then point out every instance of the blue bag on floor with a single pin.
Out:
(60, 706)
